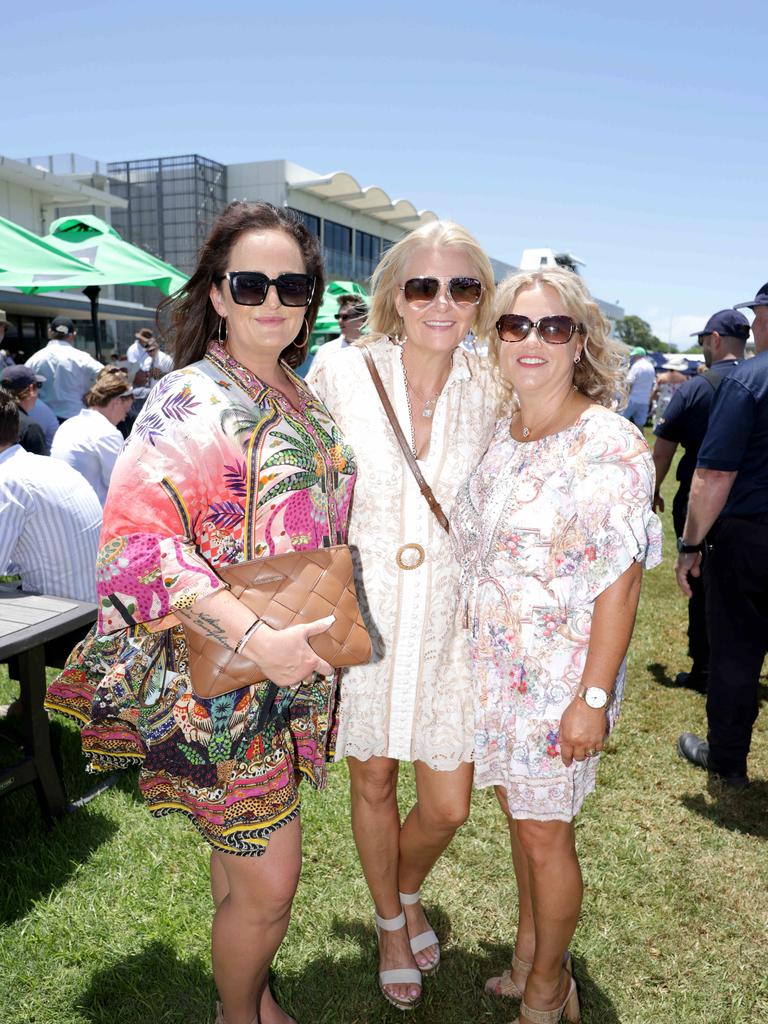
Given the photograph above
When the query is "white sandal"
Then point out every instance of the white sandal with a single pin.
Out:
(399, 975)
(426, 939)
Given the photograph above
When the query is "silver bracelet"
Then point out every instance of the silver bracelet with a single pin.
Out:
(258, 621)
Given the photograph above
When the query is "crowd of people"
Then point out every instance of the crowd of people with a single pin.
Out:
(64, 406)
(500, 513)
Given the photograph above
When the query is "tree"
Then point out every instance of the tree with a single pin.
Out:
(633, 330)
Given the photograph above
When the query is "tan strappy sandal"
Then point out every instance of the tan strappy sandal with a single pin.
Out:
(425, 939)
(399, 975)
(569, 1011)
(503, 985)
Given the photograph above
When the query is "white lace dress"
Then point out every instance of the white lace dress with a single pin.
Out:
(541, 529)
(413, 702)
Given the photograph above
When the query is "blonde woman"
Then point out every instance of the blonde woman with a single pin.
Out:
(414, 702)
(552, 530)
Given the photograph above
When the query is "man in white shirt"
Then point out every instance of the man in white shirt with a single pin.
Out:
(137, 348)
(351, 316)
(68, 371)
(5, 357)
(640, 381)
(90, 442)
(50, 518)
(144, 374)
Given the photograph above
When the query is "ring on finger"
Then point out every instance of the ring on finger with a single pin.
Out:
(591, 752)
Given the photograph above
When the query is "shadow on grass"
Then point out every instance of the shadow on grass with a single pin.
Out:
(344, 989)
(36, 860)
(661, 676)
(153, 985)
(735, 810)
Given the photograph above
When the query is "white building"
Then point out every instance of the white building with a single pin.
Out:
(166, 206)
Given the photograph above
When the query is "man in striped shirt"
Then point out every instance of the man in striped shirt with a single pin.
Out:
(50, 518)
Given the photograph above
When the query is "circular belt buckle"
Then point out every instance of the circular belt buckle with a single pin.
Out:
(412, 563)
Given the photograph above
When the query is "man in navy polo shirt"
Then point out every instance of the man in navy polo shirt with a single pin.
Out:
(684, 422)
(729, 501)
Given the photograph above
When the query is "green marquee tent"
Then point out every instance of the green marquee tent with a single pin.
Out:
(28, 262)
(96, 243)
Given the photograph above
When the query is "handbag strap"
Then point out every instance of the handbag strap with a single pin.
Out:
(424, 487)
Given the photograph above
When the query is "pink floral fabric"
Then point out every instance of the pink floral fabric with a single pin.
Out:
(541, 529)
(219, 469)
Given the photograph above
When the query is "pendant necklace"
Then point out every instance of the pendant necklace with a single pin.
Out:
(428, 404)
(526, 431)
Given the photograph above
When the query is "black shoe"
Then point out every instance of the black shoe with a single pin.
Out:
(696, 750)
(692, 681)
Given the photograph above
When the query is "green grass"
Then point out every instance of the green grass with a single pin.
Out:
(106, 917)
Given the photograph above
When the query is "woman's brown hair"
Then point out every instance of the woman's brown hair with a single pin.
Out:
(110, 383)
(194, 321)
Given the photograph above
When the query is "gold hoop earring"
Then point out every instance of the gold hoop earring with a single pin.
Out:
(303, 344)
(222, 320)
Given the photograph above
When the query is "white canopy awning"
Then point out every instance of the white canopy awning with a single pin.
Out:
(373, 201)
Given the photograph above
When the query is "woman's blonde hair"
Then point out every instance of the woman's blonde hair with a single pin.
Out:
(601, 371)
(387, 278)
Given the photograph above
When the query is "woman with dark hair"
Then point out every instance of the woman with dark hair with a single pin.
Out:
(231, 459)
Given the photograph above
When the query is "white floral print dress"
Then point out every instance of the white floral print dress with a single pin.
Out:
(541, 528)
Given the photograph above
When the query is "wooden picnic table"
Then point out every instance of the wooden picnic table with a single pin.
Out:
(38, 630)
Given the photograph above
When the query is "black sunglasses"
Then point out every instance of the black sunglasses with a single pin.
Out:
(420, 291)
(249, 288)
(555, 330)
(343, 317)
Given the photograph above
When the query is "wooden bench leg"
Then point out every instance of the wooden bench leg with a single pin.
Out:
(50, 791)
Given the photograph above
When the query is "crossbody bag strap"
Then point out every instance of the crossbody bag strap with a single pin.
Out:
(424, 487)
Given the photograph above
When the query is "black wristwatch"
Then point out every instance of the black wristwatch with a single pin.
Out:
(688, 549)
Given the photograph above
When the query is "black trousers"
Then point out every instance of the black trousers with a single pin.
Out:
(698, 641)
(736, 584)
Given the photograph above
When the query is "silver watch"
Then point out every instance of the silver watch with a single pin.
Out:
(594, 696)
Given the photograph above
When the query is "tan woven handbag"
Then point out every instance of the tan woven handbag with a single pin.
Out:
(285, 590)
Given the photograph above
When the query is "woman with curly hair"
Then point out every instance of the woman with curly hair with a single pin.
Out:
(552, 531)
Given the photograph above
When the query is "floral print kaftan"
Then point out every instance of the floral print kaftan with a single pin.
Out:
(219, 469)
(541, 529)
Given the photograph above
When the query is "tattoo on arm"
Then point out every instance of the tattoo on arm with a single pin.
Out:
(208, 626)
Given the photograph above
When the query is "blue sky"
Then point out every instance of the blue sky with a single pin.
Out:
(631, 135)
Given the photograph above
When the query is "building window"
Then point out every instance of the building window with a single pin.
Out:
(337, 237)
(311, 222)
(367, 249)
(337, 249)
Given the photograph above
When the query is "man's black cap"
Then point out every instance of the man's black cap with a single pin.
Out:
(728, 323)
(63, 325)
(17, 378)
(761, 299)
